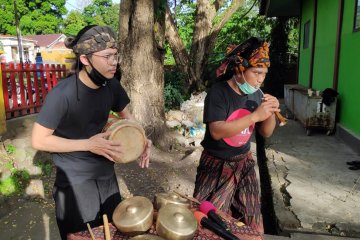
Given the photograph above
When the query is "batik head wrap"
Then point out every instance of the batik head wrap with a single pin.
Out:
(254, 52)
(92, 39)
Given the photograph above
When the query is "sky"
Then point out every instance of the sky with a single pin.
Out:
(79, 4)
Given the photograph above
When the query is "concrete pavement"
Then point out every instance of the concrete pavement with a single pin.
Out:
(313, 189)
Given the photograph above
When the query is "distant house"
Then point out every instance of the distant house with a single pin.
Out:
(329, 50)
(11, 49)
(52, 48)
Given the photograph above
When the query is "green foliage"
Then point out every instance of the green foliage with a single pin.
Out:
(293, 36)
(185, 16)
(73, 23)
(102, 12)
(46, 167)
(159, 10)
(15, 184)
(174, 89)
(7, 186)
(114, 114)
(99, 12)
(283, 55)
(238, 29)
(9, 165)
(169, 58)
(35, 17)
(184, 19)
(10, 149)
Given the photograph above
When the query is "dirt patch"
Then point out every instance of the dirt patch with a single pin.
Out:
(175, 169)
(168, 171)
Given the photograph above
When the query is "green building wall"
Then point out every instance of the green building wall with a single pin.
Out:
(348, 84)
(305, 54)
(349, 72)
(325, 42)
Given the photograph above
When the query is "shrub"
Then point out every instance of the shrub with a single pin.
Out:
(175, 88)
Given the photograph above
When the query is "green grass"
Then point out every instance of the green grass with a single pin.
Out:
(15, 184)
(46, 167)
(8, 186)
(10, 149)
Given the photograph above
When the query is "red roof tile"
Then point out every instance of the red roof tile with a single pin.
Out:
(45, 40)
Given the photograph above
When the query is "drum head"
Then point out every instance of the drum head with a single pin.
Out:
(131, 137)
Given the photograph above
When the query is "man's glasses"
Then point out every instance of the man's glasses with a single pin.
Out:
(110, 58)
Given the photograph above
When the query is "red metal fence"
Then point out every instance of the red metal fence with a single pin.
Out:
(25, 86)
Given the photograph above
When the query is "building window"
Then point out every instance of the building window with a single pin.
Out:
(26, 55)
(357, 16)
(306, 34)
(14, 53)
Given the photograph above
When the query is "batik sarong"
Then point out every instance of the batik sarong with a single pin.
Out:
(231, 186)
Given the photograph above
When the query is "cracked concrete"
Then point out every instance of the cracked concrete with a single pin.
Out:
(313, 189)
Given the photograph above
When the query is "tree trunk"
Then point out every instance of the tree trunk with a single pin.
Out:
(142, 63)
(204, 38)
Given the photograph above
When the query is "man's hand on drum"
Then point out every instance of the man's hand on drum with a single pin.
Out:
(100, 145)
(145, 156)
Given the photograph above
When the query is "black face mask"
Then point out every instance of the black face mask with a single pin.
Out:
(96, 77)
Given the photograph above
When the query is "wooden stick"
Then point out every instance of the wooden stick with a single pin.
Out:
(106, 227)
(221, 213)
(186, 197)
(90, 231)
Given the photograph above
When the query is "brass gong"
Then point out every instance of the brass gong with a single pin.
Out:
(176, 223)
(134, 215)
(161, 199)
(147, 237)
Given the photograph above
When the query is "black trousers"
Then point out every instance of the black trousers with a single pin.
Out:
(79, 204)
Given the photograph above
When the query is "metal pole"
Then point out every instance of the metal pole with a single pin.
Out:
(18, 33)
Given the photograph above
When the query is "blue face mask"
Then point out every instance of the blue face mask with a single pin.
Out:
(245, 87)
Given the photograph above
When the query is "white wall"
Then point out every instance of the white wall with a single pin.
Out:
(9, 42)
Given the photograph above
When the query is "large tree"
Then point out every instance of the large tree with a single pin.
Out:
(210, 17)
(36, 17)
(142, 48)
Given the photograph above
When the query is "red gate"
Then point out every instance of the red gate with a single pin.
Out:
(25, 86)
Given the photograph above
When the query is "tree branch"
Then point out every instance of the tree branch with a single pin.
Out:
(224, 17)
(177, 46)
(218, 4)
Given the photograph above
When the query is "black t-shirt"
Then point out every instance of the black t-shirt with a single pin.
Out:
(80, 115)
(220, 103)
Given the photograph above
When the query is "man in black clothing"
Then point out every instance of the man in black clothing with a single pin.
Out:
(70, 126)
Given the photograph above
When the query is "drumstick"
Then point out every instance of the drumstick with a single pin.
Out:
(90, 231)
(221, 213)
(106, 227)
(186, 197)
(280, 117)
